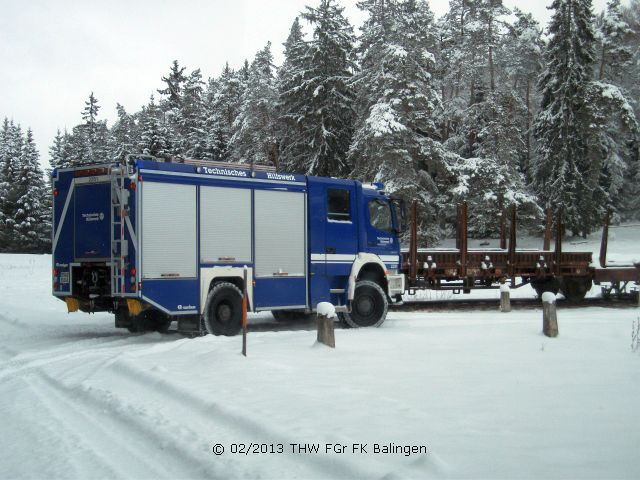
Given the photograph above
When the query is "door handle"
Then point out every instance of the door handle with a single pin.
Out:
(330, 250)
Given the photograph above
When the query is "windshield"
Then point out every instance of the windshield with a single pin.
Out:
(380, 215)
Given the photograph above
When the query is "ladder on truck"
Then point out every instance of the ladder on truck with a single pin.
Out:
(119, 245)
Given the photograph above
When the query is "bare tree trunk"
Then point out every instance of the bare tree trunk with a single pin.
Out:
(602, 60)
(491, 68)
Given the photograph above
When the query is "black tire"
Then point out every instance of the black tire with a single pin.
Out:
(548, 285)
(369, 306)
(223, 310)
(163, 322)
(574, 289)
(291, 315)
(147, 321)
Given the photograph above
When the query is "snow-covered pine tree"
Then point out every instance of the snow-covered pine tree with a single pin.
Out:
(122, 135)
(617, 137)
(396, 138)
(4, 157)
(486, 116)
(490, 180)
(562, 175)
(519, 64)
(32, 224)
(78, 146)
(631, 15)
(224, 110)
(327, 124)
(95, 132)
(291, 108)
(612, 134)
(4, 145)
(57, 152)
(254, 139)
(584, 127)
(170, 106)
(214, 136)
(192, 117)
(10, 193)
(154, 135)
(615, 55)
(174, 82)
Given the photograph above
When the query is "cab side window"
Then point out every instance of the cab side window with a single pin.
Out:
(380, 215)
(338, 204)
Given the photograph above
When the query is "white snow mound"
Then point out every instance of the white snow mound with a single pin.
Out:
(327, 309)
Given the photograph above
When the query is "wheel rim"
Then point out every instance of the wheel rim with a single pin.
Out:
(365, 305)
(224, 312)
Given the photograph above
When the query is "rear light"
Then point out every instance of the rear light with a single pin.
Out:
(133, 272)
(139, 178)
(55, 285)
(133, 287)
(56, 272)
(55, 192)
(90, 172)
(132, 186)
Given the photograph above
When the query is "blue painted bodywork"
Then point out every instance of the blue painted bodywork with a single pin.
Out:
(92, 221)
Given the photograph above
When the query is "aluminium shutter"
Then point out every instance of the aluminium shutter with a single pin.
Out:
(225, 225)
(168, 230)
(280, 233)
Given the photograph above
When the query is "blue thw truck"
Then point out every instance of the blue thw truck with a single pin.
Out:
(154, 242)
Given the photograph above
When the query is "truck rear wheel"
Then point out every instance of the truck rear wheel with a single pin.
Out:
(148, 321)
(368, 307)
(223, 310)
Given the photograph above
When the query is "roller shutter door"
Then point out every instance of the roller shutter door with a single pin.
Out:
(280, 233)
(168, 230)
(225, 225)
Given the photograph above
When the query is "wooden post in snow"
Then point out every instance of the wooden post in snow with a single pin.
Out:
(505, 298)
(326, 315)
(549, 316)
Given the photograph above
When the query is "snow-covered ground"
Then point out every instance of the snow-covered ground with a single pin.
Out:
(485, 395)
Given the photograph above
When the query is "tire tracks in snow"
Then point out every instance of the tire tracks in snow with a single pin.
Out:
(124, 438)
(22, 362)
(189, 409)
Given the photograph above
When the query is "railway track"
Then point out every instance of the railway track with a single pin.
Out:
(516, 304)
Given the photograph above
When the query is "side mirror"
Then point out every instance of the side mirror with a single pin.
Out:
(400, 209)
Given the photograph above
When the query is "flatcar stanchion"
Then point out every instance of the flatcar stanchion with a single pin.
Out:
(244, 313)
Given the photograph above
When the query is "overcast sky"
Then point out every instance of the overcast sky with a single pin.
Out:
(53, 53)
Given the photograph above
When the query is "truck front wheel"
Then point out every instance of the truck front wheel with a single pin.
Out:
(223, 310)
(368, 307)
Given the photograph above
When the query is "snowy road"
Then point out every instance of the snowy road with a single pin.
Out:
(484, 392)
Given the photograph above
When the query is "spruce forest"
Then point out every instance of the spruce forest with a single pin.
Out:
(481, 105)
